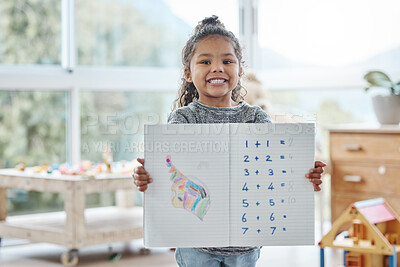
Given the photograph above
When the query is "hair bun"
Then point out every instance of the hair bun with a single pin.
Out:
(213, 20)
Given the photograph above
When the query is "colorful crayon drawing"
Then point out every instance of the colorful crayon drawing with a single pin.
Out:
(188, 195)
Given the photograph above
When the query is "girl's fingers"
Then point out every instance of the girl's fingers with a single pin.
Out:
(140, 170)
(142, 177)
(142, 188)
(316, 187)
(315, 181)
(313, 175)
(317, 170)
(141, 183)
(319, 164)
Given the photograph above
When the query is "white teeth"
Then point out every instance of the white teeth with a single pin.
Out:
(216, 81)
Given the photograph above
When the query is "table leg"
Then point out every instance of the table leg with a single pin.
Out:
(125, 198)
(3, 206)
(74, 205)
(3, 203)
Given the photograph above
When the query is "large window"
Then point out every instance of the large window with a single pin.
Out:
(329, 34)
(313, 54)
(128, 33)
(30, 32)
(122, 62)
(141, 33)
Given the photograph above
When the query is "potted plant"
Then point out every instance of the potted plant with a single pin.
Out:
(386, 106)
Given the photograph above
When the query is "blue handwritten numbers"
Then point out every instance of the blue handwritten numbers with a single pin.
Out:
(266, 187)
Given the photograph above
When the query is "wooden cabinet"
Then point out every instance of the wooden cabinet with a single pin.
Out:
(365, 164)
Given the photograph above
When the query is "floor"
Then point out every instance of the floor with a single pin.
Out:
(47, 255)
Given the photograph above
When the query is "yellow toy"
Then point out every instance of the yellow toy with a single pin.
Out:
(373, 239)
(21, 166)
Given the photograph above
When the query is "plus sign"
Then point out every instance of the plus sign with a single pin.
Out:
(258, 230)
(258, 218)
(257, 172)
(257, 144)
(258, 186)
(258, 203)
(256, 158)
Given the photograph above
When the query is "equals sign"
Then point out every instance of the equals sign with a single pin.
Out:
(282, 157)
(283, 171)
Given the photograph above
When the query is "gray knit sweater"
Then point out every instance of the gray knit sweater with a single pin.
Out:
(197, 112)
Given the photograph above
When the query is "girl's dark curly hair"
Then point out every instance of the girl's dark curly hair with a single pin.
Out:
(209, 26)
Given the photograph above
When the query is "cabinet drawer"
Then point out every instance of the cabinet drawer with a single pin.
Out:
(358, 146)
(383, 179)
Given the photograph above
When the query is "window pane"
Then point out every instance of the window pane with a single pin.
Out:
(141, 33)
(30, 133)
(30, 32)
(335, 33)
(114, 122)
(325, 107)
(330, 106)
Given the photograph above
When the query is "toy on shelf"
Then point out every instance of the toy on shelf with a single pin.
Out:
(84, 168)
(21, 166)
(373, 235)
(107, 158)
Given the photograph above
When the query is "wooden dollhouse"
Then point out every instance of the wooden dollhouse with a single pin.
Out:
(373, 235)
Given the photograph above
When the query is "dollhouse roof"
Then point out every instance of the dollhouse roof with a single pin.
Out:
(375, 210)
(368, 213)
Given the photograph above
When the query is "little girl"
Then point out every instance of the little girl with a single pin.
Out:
(210, 93)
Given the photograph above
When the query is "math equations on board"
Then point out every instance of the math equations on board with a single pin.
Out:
(229, 185)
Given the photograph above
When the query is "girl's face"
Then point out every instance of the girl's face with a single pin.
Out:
(215, 71)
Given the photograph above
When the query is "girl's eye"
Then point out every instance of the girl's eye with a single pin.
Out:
(205, 62)
(227, 61)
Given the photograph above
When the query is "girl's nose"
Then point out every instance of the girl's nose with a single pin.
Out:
(217, 68)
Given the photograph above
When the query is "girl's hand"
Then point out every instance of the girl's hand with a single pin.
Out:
(141, 177)
(314, 176)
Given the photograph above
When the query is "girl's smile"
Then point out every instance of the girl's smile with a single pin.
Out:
(215, 71)
(216, 81)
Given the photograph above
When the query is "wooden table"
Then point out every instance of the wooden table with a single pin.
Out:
(76, 226)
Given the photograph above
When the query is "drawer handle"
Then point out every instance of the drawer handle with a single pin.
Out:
(352, 178)
(351, 147)
(382, 170)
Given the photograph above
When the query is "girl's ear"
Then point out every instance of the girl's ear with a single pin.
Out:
(188, 76)
(240, 72)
